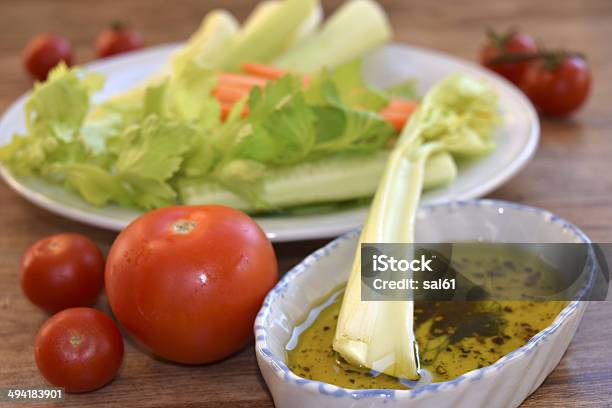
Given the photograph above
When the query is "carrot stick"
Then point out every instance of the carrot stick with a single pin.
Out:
(240, 80)
(398, 111)
(402, 105)
(225, 111)
(226, 108)
(395, 118)
(269, 72)
(263, 71)
(228, 94)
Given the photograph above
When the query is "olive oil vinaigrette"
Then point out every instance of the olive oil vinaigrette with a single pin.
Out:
(454, 337)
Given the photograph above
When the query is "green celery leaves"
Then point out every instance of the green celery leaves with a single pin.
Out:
(134, 150)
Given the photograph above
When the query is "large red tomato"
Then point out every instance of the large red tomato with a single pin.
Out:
(187, 281)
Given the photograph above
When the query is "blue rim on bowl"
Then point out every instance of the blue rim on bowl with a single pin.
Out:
(281, 370)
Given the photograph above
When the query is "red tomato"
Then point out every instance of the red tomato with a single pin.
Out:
(187, 281)
(117, 39)
(512, 44)
(79, 349)
(62, 271)
(44, 52)
(558, 84)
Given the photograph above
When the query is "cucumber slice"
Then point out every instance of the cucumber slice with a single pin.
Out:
(333, 179)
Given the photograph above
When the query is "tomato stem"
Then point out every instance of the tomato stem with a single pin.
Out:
(516, 57)
(500, 39)
(54, 245)
(551, 59)
(117, 25)
(183, 227)
(76, 340)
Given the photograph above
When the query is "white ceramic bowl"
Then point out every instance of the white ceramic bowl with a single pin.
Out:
(504, 384)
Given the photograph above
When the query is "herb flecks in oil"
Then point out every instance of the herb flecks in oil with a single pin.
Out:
(453, 337)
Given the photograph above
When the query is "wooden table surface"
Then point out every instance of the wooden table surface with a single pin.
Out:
(570, 175)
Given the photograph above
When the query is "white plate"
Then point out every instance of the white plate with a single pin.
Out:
(516, 140)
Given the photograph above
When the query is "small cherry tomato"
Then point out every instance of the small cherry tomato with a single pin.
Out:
(188, 281)
(62, 271)
(117, 39)
(558, 84)
(508, 54)
(79, 349)
(44, 52)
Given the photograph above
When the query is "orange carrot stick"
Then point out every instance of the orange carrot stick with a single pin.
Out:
(240, 80)
(395, 118)
(228, 94)
(226, 108)
(402, 105)
(263, 71)
(268, 72)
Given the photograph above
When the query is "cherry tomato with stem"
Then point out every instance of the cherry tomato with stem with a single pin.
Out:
(79, 349)
(62, 271)
(558, 83)
(508, 54)
(118, 38)
(44, 52)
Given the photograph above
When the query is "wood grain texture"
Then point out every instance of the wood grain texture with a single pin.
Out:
(570, 175)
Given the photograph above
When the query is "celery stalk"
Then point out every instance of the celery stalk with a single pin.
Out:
(269, 35)
(259, 14)
(265, 8)
(217, 32)
(379, 335)
(440, 170)
(355, 28)
(321, 181)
